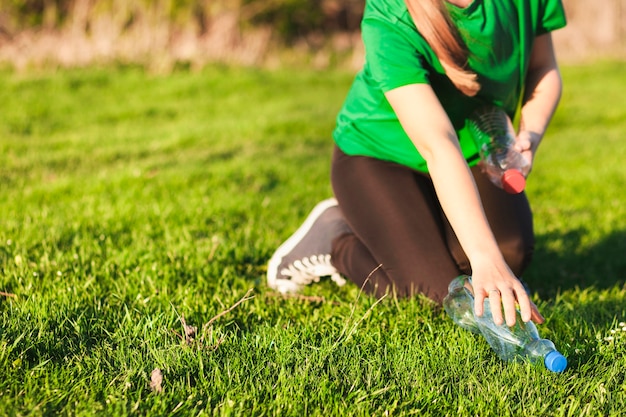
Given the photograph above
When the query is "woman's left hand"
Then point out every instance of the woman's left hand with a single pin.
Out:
(526, 143)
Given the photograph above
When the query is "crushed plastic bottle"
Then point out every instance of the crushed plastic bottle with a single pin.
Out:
(515, 343)
(494, 135)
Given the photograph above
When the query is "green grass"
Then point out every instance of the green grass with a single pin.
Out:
(128, 201)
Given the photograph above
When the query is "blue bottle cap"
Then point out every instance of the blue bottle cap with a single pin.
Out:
(555, 362)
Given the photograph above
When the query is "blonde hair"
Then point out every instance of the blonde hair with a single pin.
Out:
(434, 23)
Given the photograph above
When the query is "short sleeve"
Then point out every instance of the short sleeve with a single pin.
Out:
(391, 55)
(552, 16)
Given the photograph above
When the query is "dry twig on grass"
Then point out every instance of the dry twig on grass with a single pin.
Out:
(190, 332)
(228, 310)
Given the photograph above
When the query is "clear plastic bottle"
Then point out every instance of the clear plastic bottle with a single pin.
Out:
(494, 135)
(515, 343)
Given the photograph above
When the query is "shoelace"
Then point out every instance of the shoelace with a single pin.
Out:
(310, 269)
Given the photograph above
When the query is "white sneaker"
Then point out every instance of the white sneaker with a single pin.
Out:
(305, 257)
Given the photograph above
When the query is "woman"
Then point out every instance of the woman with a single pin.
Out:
(412, 209)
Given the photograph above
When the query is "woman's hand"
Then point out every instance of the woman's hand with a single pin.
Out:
(526, 143)
(505, 292)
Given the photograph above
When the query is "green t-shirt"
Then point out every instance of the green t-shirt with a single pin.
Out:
(499, 35)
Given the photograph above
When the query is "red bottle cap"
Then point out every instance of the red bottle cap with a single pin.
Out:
(513, 181)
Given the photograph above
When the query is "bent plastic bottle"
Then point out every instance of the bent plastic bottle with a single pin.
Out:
(493, 133)
(515, 343)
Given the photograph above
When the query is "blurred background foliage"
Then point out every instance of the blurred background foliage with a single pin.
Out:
(188, 31)
(163, 34)
(290, 18)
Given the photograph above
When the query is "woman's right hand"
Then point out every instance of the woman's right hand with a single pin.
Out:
(505, 293)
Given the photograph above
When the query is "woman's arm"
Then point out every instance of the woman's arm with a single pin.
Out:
(542, 95)
(435, 138)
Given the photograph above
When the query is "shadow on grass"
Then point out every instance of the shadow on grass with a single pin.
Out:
(573, 265)
(585, 285)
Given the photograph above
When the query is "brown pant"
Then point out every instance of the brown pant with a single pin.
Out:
(398, 223)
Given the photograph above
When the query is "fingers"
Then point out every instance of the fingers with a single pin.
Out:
(526, 144)
(494, 304)
(523, 142)
(503, 301)
(523, 301)
(506, 301)
(496, 309)
(535, 315)
(510, 312)
(479, 302)
(522, 145)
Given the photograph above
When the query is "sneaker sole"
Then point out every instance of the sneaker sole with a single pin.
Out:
(285, 285)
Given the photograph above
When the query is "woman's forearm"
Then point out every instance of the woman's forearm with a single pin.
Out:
(435, 138)
(542, 95)
(460, 201)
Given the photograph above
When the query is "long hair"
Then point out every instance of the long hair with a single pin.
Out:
(434, 23)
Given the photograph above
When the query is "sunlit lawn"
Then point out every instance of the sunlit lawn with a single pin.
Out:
(131, 204)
